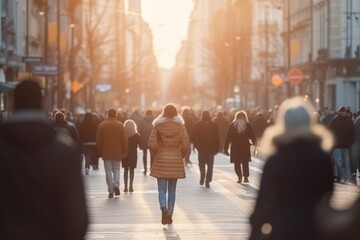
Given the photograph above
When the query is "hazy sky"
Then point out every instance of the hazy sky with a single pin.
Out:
(168, 20)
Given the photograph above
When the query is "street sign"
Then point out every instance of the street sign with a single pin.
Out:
(46, 69)
(32, 59)
(295, 76)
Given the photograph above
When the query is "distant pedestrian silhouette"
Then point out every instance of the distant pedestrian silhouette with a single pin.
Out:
(206, 140)
(296, 175)
(42, 193)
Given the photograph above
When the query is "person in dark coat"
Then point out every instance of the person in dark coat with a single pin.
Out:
(259, 125)
(206, 140)
(240, 136)
(223, 124)
(42, 192)
(87, 133)
(130, 161)
(145, 127)
(189, 125)
(67, 129)
(344, 132)
(296, 175)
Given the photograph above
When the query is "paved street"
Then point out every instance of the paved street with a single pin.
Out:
(220, 212)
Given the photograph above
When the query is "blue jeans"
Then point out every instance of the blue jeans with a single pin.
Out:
(206, 159)
(170, 186)
(342, 161)
(112, 174)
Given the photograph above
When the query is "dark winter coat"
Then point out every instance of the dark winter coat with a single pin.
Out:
(42, 193)
(131, 158)
(206, 137)
(72, 131)
(223, 125)
(294, 179)
(239, 143)
(144, 128)
(259, 125)
(87, 129)
(343, 130)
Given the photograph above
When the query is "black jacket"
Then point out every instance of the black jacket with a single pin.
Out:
(294, 180)
(42, 193)
(343, 130)
(206, 137)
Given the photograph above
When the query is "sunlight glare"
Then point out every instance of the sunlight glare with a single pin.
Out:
(169, 21)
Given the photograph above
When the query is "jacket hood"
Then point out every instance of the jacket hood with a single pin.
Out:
(295, 121)
(27, 129)
(168, 126)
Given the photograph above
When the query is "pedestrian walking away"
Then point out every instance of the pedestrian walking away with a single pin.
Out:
(42, 192)
(296, 176)
(112, 143)
(169, 143)
(240, 136)
(87, 133)
(130, 161)
(206, 140)
(145, 127)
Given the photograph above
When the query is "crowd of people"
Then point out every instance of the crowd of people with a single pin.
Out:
(306, 151)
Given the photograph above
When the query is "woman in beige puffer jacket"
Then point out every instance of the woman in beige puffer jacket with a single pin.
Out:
(169, 143)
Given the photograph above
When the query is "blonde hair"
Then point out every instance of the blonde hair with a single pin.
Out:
(241, 115)
(130, 127)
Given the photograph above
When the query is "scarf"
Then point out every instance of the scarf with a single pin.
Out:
(240, 125)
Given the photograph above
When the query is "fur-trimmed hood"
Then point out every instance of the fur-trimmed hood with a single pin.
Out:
(295, 121)
(168, 126)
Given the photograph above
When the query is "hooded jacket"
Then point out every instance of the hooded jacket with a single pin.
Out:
(40, 179)
(169, 143)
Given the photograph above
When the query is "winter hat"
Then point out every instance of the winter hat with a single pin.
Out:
(296, 117)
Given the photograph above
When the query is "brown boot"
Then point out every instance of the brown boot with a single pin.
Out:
(169, 219)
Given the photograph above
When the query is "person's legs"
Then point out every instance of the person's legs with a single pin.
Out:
(210, 166)
(87, 155)
(162, 188)
(126, 170)
(172, 195)
(237, 168)
(202, 161)
(245, 170)
(347, 167)
(116, 173)
(131, 188)
(145, 160)
(337, 155)
(108, 175)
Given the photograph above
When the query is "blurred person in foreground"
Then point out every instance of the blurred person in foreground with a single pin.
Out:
(170, 144)
(296, 175)
(40, 177)
(240, 136)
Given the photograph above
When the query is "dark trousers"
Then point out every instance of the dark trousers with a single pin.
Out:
(206, 159)
(91, 156)
(128, 170)
(241, 169)
(145, 154)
